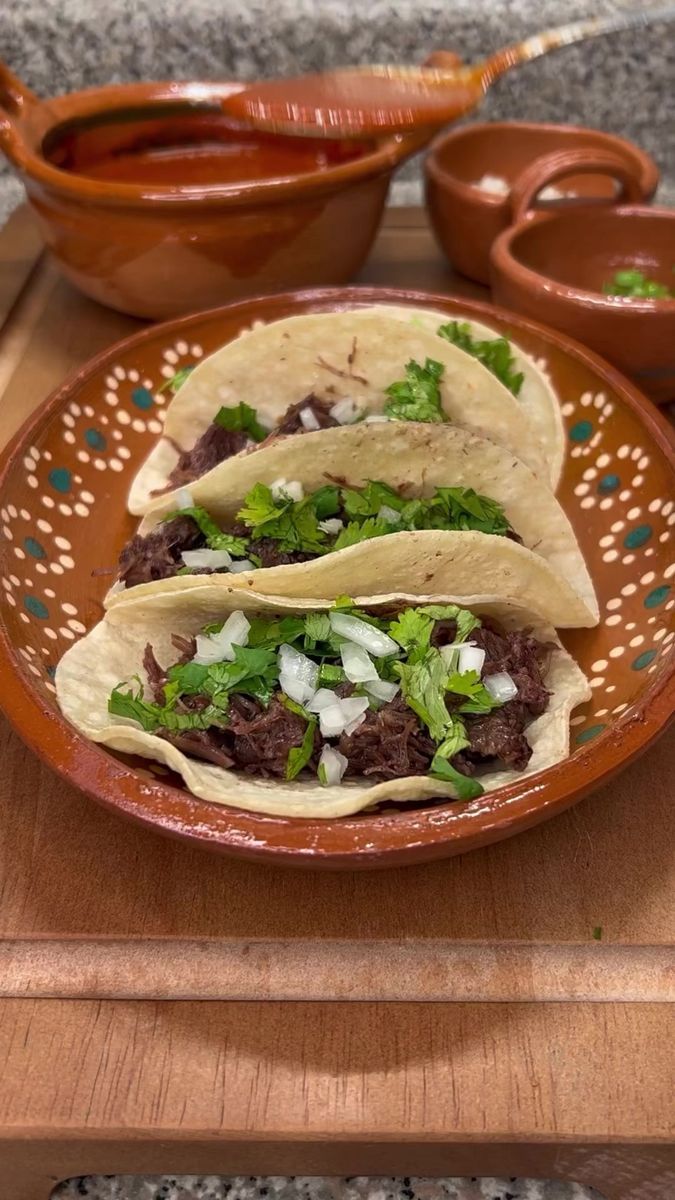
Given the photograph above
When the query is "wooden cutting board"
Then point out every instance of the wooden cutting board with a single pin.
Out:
(165, 1010)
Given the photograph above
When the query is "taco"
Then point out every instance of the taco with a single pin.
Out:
(369, 510)
(302, 711)
(308, 373)
(516, 370)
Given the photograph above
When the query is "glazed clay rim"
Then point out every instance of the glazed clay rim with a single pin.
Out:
(364, 840)
(510, 266)
(388, 153)
(648, 171)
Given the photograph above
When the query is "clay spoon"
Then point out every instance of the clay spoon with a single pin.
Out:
(358, 101)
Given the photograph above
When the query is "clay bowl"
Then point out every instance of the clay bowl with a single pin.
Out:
(467, 219)
(63, 486)
(553, 266)
(156, 249)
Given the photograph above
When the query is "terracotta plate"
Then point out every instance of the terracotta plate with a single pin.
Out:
(62, 506)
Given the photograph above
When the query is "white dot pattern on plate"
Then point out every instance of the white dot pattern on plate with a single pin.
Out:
(98, 440)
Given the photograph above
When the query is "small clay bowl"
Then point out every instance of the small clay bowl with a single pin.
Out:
(552, 266)
(467, 219)
(175, 243)
(73, 461)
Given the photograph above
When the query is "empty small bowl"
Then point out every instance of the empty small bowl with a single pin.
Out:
(467, 217)
(553, 266)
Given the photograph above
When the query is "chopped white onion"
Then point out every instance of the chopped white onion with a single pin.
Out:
(298, 675)
(331, 525)
(376, 419)
(359, 666)
(219, 647)
(345, 411)
(241, 564)
(331, 721)
(285, 489)
(343, 717)
(362, 634)
(388, 514)
(184, 498)
(334, 766)
(215, 560)
(471, 658)
(308, 419)
(322, 699)
(380, 689)
(501, 686)
(450, 653)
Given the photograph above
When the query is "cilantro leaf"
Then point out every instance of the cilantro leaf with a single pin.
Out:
(317, 627)
(367, 501)
(478, 699)
(353, 533)
(466, 622)
(418, 396)
(216, 539)
(299, 756)
(176, 381)
(493, 353)
(155, 716)
(241, 419)
(412, 631)
(465, 787)
(293, 523)
(325, 502)
(271, 634)
(294, 707)
(441, 768)
(423, 687)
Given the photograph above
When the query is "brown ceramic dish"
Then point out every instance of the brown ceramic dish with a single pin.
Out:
(553, 266)
(63, 487)
(467, 219)
(211, 213)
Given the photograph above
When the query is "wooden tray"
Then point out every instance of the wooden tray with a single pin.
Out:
(165, 1010)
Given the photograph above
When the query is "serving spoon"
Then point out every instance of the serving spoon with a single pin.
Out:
(358, 101)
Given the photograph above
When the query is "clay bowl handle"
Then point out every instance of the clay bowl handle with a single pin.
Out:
(15, 100)
(549, 167)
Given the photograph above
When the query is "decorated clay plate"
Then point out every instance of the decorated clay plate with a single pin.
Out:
(63, 492)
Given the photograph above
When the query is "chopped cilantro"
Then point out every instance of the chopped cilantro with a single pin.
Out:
(478, 700)
(597, 933)
(441, 768)
(466, 622)
(299, 756)
(176, 381)
(413, 631)
(293, 523)
(367, 501)
(493, 353)
(636, 283)
(215, 538)
(353, 533)
(241, 419)
(330, 674)
(423, 687)
(156, 716)
(317, 627)
(418, 396)
(294, 707)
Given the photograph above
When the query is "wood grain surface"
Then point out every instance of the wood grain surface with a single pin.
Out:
(304, 1039)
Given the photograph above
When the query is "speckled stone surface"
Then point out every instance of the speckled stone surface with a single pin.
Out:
(622, 83)
(243, 1187)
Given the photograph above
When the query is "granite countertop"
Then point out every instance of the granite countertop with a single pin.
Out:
(622, 84)
(275, 1187)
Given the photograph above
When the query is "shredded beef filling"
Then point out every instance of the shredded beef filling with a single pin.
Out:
(391, 742)
(291, 423)
(158, 554)
(213, 447)
(216, 444)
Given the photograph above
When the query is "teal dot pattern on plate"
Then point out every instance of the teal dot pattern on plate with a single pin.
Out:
(34, 548)
(588, 734)
(637, 537)
(36, 607)
(609, 483)
(143, 398)
(643, 660)
(657, 596)
(95, 439)
(581, 431)
(60, 479)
